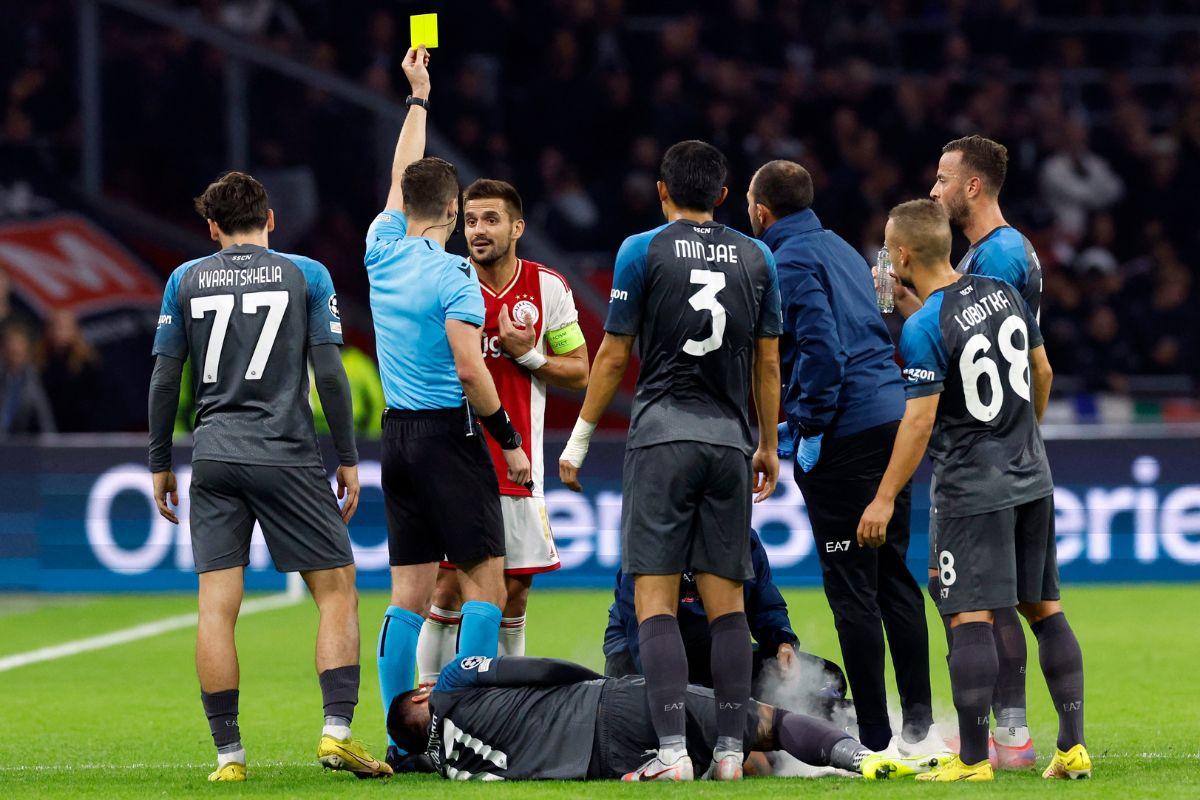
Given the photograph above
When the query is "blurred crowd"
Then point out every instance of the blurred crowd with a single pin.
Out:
(48, 373)
(575, 100)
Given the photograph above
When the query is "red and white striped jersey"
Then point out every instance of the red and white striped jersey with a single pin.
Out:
(536, 296)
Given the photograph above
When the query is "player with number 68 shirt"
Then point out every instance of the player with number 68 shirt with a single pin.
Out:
(977, 383)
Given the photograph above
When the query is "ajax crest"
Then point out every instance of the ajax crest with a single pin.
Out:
(525, 313)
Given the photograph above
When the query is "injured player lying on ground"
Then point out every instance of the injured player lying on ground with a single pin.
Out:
(517, 718)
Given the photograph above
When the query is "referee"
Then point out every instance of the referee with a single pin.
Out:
(439, 485)
(844, 399)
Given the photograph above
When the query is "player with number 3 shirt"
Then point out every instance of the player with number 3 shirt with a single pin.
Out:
(702, 300)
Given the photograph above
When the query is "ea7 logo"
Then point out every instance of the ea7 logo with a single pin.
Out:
(618, 294)
(1076, 706)
(837, 547)
(945, 593)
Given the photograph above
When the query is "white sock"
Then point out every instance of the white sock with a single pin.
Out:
(437, 643)
(512, 636)
(236, 756)
(1015, 736)
(339, 732)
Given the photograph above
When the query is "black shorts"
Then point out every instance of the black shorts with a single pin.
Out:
(295, 506)
(624, 731)
(439, 489)
(998, 559)
(686, 505)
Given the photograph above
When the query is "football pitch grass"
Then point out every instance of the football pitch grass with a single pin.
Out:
(126, 721)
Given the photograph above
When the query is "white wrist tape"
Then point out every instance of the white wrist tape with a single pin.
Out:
(533, 360)
(577, 445)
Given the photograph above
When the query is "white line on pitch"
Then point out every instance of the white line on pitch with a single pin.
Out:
(144, 631)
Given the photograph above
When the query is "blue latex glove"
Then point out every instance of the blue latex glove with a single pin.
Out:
(809, 452)
(787, 445)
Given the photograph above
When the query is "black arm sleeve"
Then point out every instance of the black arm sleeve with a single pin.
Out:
(164, 404)
(527, 671)
(334, 390)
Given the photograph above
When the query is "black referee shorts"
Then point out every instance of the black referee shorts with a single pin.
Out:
(439, 489)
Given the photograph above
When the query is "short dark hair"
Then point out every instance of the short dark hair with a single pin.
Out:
(984, 157)
(784, 187)
(489, 189)
(694, 173)
(401, 720)
(923, 227)
(236, 202)
(428, 185)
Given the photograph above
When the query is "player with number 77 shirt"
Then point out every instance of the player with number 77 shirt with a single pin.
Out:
(250, 319)
(977, 382)
(703, 300)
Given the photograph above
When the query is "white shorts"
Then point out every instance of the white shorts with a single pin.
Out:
(528, 541)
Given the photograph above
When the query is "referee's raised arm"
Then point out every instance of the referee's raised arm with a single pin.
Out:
(411, 144)
(440, 489)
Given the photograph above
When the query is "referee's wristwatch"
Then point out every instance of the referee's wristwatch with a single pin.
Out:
(413, 100)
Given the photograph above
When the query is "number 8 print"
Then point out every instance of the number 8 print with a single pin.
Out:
(946, 572)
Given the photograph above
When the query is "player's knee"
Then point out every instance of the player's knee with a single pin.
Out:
(447, 597)
(518, 598)
(965, 617)
(1036, 612)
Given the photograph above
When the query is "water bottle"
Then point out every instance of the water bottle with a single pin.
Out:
(884, 282)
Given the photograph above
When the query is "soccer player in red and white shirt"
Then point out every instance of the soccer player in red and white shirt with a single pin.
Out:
(531, 337)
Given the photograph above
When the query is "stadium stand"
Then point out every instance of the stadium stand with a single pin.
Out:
(574, 101)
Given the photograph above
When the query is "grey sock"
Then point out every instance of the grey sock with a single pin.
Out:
(343, 722)
(728, 744)
(1062, 664)
(847, 754)
(973, 679)
(732, 670)
(1008, 701)
(664, 662)
(221, 708)
(339, 691)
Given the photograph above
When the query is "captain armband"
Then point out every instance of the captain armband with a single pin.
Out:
(564, 340)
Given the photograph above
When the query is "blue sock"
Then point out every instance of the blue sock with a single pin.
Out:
(479, 634)
(397, 654)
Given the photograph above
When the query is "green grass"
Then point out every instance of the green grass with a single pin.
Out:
(126, 721)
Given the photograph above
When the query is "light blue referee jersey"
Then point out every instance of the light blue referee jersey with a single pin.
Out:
(415, 287)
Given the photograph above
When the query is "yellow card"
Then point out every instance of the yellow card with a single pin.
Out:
(423, 28)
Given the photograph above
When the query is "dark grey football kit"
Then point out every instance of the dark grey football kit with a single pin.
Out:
(697, 296)
(248, 319)
(1005, 254)
(517, 718)
(993, 492)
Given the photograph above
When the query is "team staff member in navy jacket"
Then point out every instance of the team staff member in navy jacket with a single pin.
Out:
(844, 397)
(767, 613)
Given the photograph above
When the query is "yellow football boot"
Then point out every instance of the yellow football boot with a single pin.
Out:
(877, 767)
(351, 756)
(955, 770)
(233, 771)
(1071, 765)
